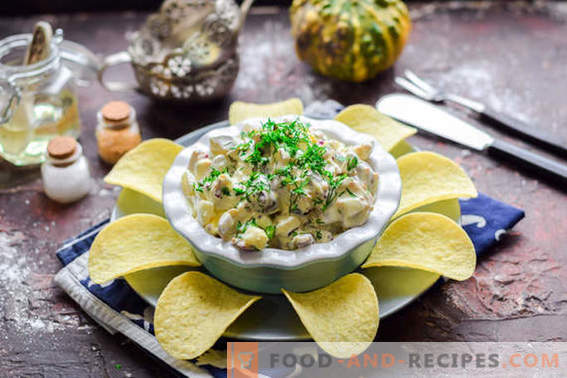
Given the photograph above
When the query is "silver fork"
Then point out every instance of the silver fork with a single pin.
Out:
(419, 87)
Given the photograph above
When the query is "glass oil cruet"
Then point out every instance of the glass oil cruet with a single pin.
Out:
(38, 100)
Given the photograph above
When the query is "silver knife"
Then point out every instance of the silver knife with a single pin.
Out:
(431, 118)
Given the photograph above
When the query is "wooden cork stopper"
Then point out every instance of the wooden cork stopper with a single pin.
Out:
(116, 111)
(61, 147)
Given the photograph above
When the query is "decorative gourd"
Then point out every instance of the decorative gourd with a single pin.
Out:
(349, 39)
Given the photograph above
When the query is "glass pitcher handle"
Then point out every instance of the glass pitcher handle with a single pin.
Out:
(244, 8)
(113, 60)
(14, 96)
(82, 62)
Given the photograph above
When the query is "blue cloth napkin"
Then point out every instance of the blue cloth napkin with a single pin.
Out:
(119, 309)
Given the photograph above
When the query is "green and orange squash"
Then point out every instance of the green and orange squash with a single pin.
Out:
(350, 40)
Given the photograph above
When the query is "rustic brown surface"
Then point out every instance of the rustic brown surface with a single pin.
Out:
(512, 57)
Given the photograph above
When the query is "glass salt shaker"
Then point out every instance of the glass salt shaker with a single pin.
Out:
(66, 176)
(117, 131)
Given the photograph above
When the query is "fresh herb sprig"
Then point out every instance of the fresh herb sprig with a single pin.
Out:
(270, 231)
(290, 136)
(256, 183)
(241, 228)
(207, 181)
(334, 184)
(352, 163)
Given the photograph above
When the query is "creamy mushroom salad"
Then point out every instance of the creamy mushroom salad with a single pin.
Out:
(280, 185)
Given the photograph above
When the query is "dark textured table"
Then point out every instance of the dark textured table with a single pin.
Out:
(511, 56)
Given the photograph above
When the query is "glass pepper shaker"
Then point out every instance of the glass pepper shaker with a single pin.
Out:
(65, 173)
(117, 131)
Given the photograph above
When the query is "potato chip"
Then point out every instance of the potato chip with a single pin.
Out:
(366, 119)
(144, 168)
(450, 208)
(428, 177)
(240, 111)
(213, 357)
(401, 149)
(392, 282)
(134, 243)
(132, 202)
(342, 317)
(426, 241)
(193, 312)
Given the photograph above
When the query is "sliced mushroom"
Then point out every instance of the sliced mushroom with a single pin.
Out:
(363, 150)
(267, 202)
(286, 224)
(302, 240)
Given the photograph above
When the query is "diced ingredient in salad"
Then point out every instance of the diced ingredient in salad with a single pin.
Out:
(280, 185)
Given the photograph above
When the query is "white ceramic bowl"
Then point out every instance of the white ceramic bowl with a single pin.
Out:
(271, 269)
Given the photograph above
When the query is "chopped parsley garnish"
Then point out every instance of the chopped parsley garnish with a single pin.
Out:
(334, 183)
(207, 181)
(318, 235)
(297, 191)
(313, 158)
(256, 183)
(242, 227)
(352, 163)
(307, 157)
(225, 191)
(270, 231)
(198, 187)
(350, 192)
(275, 135)
(243, 147)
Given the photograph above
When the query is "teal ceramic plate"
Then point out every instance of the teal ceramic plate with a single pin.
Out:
(273, 318)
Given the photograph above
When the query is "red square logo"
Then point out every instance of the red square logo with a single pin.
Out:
(242, 360)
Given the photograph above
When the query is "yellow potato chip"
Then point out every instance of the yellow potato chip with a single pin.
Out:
(401, 149)
(450, 208)
(428, 177)
(193, 312)
(144, 168)
(240, 111)
(396, 282)
(366, 119)
(342, 317)
(134, 243)
(132, 202)
(426, 241)
(213, 357)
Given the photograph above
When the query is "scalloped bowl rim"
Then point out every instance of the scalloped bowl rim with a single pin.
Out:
(387, 200)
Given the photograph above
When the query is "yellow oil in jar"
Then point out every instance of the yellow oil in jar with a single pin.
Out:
(37, 119)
